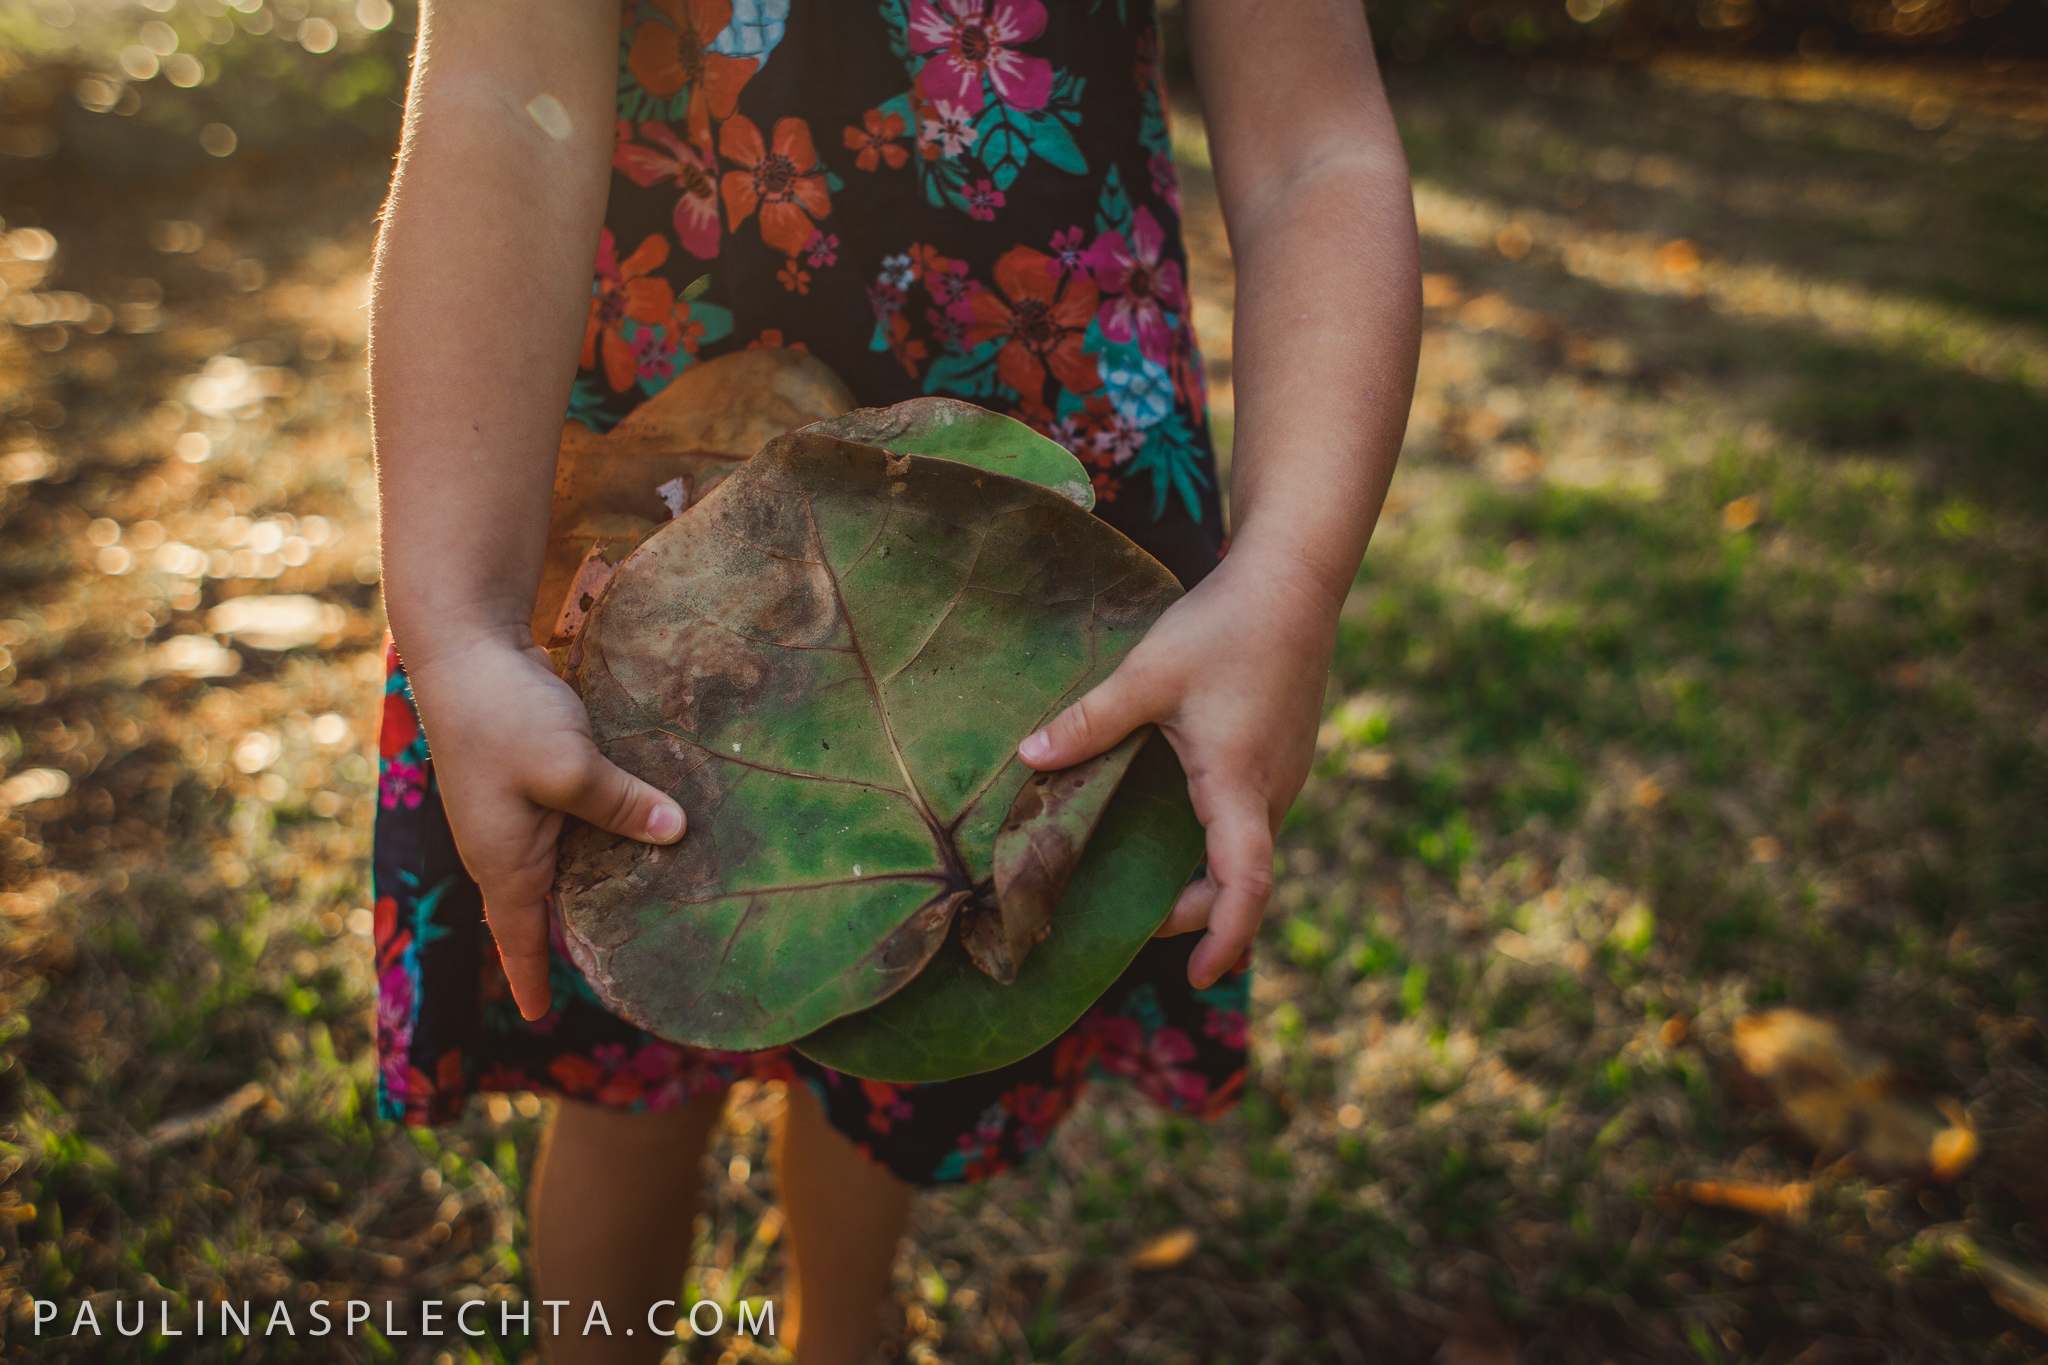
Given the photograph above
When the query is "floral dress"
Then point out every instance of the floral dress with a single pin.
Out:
(973, 198)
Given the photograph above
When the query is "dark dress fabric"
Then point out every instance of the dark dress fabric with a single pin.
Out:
(972, 198)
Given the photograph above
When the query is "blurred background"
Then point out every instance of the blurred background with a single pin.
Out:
(1658, 969)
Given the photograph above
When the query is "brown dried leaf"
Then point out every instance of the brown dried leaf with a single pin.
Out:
(1785, 1203)
(1035, 852)
(1846, 1101)
(612, 491)
(1165, 1251)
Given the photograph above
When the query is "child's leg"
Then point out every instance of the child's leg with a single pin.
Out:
(614, 1200)
(845, 1216)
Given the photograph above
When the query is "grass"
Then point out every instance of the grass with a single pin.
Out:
(1696, 667)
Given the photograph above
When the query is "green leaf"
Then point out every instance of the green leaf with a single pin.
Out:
(953, 1020)
(829, 662)
(952, 430)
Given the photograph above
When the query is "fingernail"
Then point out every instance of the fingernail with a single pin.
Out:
(1036, 748)
(665, 824)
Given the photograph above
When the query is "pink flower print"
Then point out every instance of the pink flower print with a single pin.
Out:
(1226, 1027)
(1138, 288)
(824, 249)
(654, 355)
(1118, 440)
(1077, 431)
(1152, 1064)
(948, 329)
(951, 128)
(394, 1029)
(885, 299)
(886, 1105)
(1165, 182)
(401, 784)
(693, 170)
(1099, 436)
(1068, 255)
(1036, 1109)
(983, 200)
(972, 39)
(951, 289)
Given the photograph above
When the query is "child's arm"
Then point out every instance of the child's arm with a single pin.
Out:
(1315, 194)
(481, 293)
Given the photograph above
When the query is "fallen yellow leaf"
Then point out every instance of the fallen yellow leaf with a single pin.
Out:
(1741, 514)
(1168, 1249)
(1786, 1203)
(1846, 1101)
(1678, 257)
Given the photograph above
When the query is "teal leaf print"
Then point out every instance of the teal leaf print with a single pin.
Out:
(1003, 145)
(896, 15)
(1143, 1007)
(1113, 208)
(1170, 458)
(971, 374)
(1051, 141)
(586, 405)
(717, 320)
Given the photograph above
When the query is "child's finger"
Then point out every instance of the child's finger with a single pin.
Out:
(1191, 911)
(1240, 847)
(522, 935)
(606, 795)
(1112, 709)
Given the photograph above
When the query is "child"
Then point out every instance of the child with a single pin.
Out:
(963, 197)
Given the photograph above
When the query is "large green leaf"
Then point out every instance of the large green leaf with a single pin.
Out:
(953, 1020)
(829, 662)
(953, 430)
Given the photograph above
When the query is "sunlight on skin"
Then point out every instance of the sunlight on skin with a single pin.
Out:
(547, 111)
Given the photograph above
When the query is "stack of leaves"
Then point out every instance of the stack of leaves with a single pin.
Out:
(829, 662)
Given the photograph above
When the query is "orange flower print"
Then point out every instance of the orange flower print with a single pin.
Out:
(576, 1074)
(1042, 325)
(784, 181)
(625, 290)
(876, 141)
(926, 262)
(794, 277)
(670, 53)
(771, 338)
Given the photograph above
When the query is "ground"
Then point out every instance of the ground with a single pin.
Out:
(1696, 668)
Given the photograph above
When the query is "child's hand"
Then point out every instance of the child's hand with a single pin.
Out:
(1233, 673)
(512, 752)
